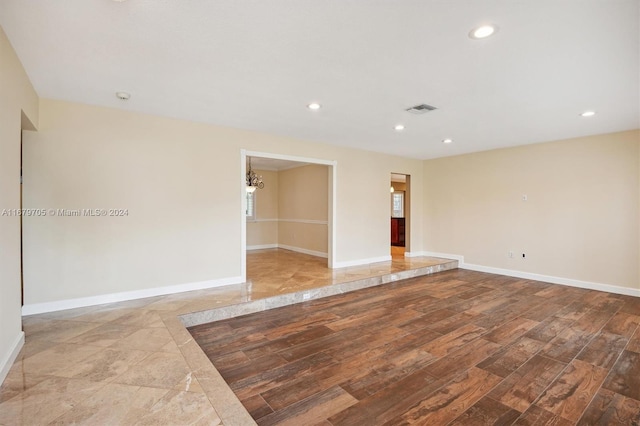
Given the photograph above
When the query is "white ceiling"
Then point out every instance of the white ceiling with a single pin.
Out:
(273, 164)
(256, 64)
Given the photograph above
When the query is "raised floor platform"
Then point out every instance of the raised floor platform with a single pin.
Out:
(139, 350)
(277, 277)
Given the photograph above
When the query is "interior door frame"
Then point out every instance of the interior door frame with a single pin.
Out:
(407, 212)
(331, 223)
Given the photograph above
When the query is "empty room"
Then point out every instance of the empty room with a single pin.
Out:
(320, 213)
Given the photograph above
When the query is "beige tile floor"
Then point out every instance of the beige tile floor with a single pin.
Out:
(134, 362)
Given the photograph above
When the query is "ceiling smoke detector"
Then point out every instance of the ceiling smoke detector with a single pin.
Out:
(420, 109)
(123, 96)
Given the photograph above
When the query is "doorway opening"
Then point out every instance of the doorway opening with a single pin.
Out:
(295, 208)
(400, 214)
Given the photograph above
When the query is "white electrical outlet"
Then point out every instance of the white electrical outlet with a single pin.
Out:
(306, 296)
(510, 254)
(524, 197)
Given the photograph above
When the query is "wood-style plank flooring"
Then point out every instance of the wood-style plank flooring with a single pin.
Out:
(459, 348)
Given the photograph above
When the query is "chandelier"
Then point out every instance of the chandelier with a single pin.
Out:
(253, 180)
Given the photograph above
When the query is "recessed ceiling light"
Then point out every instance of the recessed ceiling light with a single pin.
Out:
(314, 106)
(447, 140)
(399, 127)
(123, 96)
(483, 31)
(588, 114)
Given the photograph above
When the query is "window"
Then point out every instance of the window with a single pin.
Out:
(251, 206)
(397, 204)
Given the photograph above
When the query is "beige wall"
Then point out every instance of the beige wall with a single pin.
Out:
(18, 109)
(264, 229)
(182, 184)
(303, 207)
(292, 210)
(580, 220)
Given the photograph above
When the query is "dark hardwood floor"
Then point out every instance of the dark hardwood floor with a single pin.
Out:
(459, 347)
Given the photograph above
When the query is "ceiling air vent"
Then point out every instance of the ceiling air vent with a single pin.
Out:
(420, 109)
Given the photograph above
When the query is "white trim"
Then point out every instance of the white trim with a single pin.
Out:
(533, 276)
(311, 221)
(262, 247)
(332, 214)
(286, 247)
(303, 250)
(10, 357)
(315, 222)
(359, 262)
(457, 257)
(243, 215)
(332, 222)
(60, 305)
(554, 280)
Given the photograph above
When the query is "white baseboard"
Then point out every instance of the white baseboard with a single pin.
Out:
(413, 253)
(10, 357)
(533, 276)
(360, 262)
(60, 305)
(554, 280)
(286, 247)
(262, 247)
(302, 250)
(457, 257)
